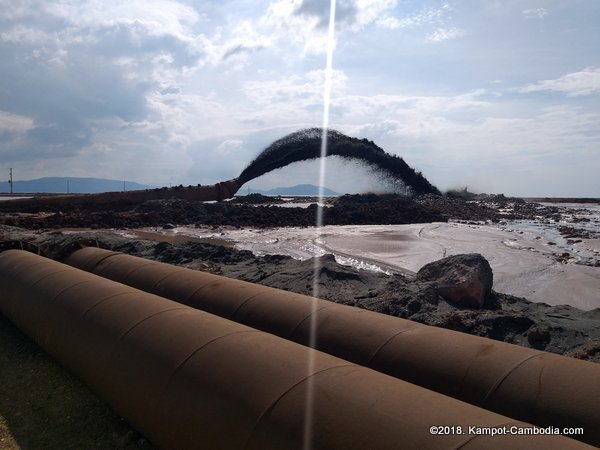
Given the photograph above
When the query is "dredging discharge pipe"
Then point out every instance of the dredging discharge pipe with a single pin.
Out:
(530, 385)
(214, 192)
(188, 379)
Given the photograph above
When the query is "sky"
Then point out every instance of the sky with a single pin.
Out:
(498, 96)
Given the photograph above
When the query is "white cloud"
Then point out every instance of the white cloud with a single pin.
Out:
(285, 25)
(584, 82)
(369, 11)
(537, 13)
(157, 84)
(426, 16)
(350, 14)
(296, 91)
(301, 22)
(15, 122)
(445, 34)
(158, 16)
(391, 22)
(21, 34)
(230, 147)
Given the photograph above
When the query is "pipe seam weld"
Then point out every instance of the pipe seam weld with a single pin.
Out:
(101, 260)
(287, 391)
(187, 300)
(309, 315)
(158, 313)
(476, 436)
(245, 301)
(141, 266)
(160, 396)
(501, 379)
(381, 347)
(105, 299)
(135, 269)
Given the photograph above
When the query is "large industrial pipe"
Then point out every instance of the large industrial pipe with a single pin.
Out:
(530, 385)
(189, 379)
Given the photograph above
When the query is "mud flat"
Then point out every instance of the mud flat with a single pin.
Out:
(523, 265)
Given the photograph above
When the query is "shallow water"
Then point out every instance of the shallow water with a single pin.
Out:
(529, 258)
(547, 237)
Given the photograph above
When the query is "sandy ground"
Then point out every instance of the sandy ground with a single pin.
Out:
(524, 264)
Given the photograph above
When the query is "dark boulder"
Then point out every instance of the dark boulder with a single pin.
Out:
(465, 280)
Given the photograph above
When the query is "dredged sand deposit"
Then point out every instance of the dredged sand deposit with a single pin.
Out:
(524, 264)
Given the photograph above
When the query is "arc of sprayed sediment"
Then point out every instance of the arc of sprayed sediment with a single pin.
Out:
(308, 412)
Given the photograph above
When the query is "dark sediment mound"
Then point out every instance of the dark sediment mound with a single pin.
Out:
(347, 210)
(582, 200)
(257, 199)
(306, 144)
(481, 208)
(260, 211)
(371, 209)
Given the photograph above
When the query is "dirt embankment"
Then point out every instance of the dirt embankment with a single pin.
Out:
(35, 214)
(369, 209)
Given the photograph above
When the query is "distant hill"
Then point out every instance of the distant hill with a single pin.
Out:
(299, 189)
(73, 185)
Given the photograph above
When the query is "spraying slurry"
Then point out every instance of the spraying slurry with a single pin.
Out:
(306, 145)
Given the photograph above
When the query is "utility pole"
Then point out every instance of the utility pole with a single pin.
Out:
(10, 181)
(123, 185)
(67, 186)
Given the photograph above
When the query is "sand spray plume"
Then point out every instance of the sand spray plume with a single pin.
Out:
(306, 145)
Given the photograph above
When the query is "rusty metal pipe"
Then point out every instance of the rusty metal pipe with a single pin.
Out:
(530, 385)
(189, 379)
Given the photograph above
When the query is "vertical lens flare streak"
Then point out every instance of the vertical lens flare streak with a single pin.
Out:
(308, 412)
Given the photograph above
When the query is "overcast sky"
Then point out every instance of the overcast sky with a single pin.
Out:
(497, 95)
